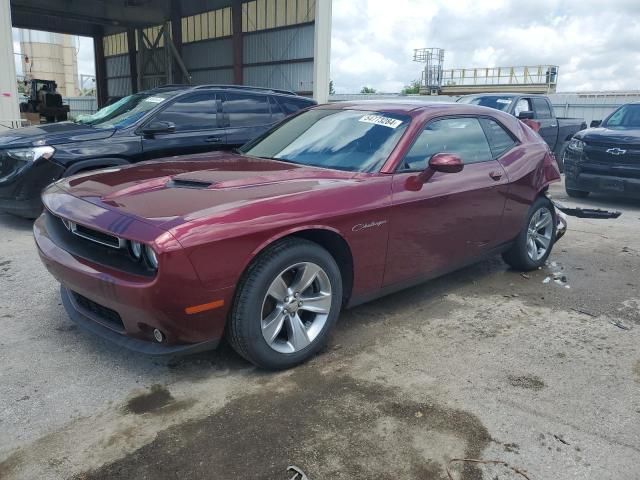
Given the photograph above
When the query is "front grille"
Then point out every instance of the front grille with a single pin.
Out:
(93, 235)
(100, 312)
(598, 153)
(92, 250)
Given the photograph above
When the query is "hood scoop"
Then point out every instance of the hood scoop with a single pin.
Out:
(180, 183)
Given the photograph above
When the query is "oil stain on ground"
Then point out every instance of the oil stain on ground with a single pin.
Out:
(157, 398)
(330, 426)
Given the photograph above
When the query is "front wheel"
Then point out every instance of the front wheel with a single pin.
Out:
(533, 245)
(561, 155)
(286, 304)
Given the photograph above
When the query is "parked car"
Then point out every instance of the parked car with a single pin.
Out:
(556, 131)
(338, 205)
(166, 121)
(606, 158)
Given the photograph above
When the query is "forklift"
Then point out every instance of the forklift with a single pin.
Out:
(44, 99)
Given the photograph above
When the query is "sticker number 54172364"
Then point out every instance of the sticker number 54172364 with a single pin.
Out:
(381, 120)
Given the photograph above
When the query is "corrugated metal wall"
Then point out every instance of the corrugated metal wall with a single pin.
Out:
(266, 54)
(205, 61)
(81, 105)
(118, 76)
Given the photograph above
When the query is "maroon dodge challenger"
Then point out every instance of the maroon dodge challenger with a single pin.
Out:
(333, 207)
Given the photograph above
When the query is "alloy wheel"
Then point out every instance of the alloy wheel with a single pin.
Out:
(539, 234)
(296, 307)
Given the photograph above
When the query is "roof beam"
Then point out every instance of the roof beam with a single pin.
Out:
(125, 13)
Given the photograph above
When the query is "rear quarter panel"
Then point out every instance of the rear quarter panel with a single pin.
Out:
(530, 169)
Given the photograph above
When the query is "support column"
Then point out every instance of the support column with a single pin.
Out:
(237, 42)
(322, 51)
(9, 101)
(176, 35)
(133, 59)
(102, 93)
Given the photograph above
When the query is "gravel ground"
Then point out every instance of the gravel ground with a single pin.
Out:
(484, 363)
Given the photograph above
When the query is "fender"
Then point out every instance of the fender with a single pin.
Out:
(93, 164)
(287, 233)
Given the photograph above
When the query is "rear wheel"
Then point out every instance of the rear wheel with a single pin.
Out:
(286, 304)
(576, 193)
(533, 245)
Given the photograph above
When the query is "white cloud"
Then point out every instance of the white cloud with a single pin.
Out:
(594, 43)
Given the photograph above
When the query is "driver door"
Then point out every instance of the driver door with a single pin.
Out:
(197, 127)
(454, 218)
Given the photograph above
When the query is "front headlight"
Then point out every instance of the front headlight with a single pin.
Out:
(32, 154)
(151, 256)
(576, 145)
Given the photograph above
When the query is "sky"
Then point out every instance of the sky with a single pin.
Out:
(596, 43)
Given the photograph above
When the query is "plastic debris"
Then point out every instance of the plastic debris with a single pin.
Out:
(546, 280)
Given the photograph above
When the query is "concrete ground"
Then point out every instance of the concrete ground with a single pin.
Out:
(484, 363)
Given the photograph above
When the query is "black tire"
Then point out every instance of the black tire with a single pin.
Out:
(560, 156)
(576, 193)
(517, 256)
(244, 331)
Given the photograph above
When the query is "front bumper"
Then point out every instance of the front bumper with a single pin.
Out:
(125, 307)
(88, 321)
(20, 194)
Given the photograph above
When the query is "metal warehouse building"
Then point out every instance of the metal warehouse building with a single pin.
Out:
(140, 44)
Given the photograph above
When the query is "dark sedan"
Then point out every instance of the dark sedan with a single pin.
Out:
(167, 121)
(336, 206)
(607, 158)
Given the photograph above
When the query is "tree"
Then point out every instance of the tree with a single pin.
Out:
(366, 89)
(412, 88)
(332, 90)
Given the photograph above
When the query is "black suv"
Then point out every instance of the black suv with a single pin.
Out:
(166, 121)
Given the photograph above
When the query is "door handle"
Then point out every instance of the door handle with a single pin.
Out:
(496, 175)
(554, 125)
(213, 139)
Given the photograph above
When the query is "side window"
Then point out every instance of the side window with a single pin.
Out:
(462, 136)
(541, 107)
(247, 110)
(277, 113)
(523, 105)
(292, 105)
(191, 112)
(500, 140)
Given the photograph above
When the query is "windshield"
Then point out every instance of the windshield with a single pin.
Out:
(626, 117)
(348, 140)
(125, 111)
(498, 103)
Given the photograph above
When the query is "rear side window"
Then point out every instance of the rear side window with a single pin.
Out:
(461, 136)
(247, 110)
(292, 105)
(191, 112)
(541, 107)
(500, 141)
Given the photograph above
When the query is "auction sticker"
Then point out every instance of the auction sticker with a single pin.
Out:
(381, 120)
(503, 100)
(155, 99)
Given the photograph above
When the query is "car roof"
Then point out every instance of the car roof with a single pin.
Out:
(408, 106)
(504, 94)
(243, 88)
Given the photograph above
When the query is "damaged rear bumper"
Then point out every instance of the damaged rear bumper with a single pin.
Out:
(562, 212)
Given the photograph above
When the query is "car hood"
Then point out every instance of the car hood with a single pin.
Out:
(169, 192)
(610, 136)
(52, 134)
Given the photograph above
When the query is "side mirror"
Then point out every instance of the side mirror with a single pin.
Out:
(440, 162)
(155, 128)
(526, 115)
(595, 123)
